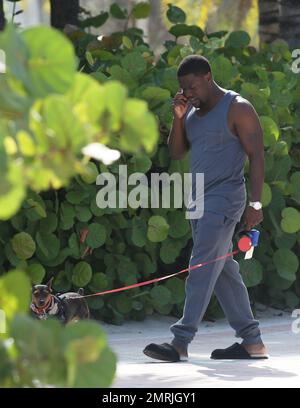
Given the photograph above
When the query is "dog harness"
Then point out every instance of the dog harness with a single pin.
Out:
(53, 308)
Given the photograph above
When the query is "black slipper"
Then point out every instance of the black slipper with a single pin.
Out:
(165, 352)
(236, 352)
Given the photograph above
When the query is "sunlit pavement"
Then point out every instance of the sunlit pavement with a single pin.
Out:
(137, 370)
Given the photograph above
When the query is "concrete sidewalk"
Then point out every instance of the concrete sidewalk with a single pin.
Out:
(136, 370)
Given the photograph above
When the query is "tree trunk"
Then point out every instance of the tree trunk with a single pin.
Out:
(64, 12)
(2, 17)
(157, 32)
(243, 9)
(268, 20)
(289, 22)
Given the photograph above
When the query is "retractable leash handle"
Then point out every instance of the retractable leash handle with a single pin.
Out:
(247, 241)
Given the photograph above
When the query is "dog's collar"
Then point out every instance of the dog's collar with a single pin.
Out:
(45, 309)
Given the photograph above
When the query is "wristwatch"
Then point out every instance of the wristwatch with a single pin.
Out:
(257, 205)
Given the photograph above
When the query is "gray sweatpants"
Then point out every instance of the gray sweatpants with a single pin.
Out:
(212, 236)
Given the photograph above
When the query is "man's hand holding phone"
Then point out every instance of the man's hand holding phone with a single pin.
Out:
(180, 105)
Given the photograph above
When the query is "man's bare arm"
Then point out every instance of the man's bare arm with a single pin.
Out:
(250, 133)
(177, 141)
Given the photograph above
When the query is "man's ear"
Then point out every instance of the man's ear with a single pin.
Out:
(209, 77)
(49, 284)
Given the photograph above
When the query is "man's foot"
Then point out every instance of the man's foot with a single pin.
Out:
(165, 352)
(255, 349)
(240, 352)
(181, 350)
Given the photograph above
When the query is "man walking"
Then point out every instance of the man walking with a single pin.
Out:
(221, 129)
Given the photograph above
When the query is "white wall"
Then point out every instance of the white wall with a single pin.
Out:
(33, 12)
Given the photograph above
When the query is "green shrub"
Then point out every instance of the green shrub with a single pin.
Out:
(124, 246)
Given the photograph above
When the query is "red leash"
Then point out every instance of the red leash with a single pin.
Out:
(160, 279)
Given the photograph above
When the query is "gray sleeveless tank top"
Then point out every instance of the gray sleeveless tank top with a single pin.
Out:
(218, 153)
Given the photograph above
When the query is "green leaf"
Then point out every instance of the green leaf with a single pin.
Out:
(155, 95)
(281, 169)
(145, 265)
(88, 100)
(252, 272)
(126, 269)
(82, 274)
(177, 288)
(56, 126)
(180, 30)
(12, 191)
(36, 273)
(123, 303)
(286, 241)
(96, 236)
(96, 21)
(286, 263)
(179, 226)
(140, 163)
(141, 10)
(256, 96)
(134, 63)
(238, 39)
(223, 69)
(170, 81)
(15, 293)
(295, 183)
(116, 11)
(275, 281)
(76, 197)
(281, 148)
(169, 251)
(99, 282)
(58, 260)
(290, 222)
(266, 195)
(74, 245)
(127, 42)
(23, 245)
(38, 208)
(175, 14)
(85, 347)
(139, 231)
(281, 47)
(161, 295)
(292, 300)
(61, 282)
(26, 143)
(48, 245)
(39, 341)
(51, 61)
(49, 224)
(115, 95)
(11, 42)
(120, 74)
(83, 213)
(270, 130)
(158, 228)
(67, 215)
(140, 126)
(95, 302)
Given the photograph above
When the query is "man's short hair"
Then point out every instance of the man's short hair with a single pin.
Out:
(193, 64)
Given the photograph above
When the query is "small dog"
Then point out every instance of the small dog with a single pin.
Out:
(66, 306)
